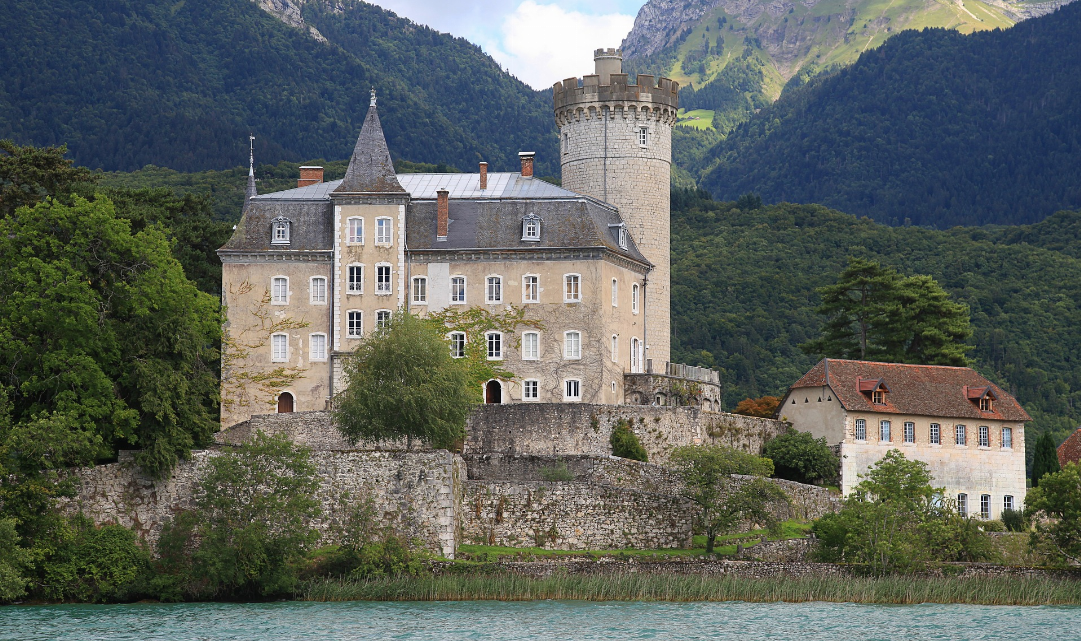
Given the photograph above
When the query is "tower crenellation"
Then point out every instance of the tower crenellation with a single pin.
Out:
(616, 145)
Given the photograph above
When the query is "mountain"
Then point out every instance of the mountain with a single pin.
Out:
(933, 128)
(1022, 285)
(126, 83)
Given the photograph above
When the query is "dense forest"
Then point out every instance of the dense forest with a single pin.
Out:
(128, 83)
(933, 128)
(744, 281)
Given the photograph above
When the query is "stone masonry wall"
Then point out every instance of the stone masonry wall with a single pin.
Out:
(416, 492)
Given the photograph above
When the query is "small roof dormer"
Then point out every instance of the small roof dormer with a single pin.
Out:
(874, 388)
(983, 397)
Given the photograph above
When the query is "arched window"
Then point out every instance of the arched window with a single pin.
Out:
(531, 225)
(279, 231)
(493, 392)
(285, 403)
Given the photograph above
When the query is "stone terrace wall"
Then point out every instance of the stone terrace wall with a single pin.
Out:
(314, 430)
(582, 428)
(416, 492)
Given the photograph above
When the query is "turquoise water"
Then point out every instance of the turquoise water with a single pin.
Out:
(549, 620)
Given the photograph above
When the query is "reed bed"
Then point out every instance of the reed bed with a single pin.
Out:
(673, 587)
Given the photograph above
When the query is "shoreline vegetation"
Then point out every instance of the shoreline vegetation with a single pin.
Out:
(896, 590)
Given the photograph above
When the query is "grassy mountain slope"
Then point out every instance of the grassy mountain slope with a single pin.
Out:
(933, 128)
(126, 83)
(743, 294)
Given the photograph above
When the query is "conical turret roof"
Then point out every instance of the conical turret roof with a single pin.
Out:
(370, 169)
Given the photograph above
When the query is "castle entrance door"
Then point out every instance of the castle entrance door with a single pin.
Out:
(493, 392)
(285, 403)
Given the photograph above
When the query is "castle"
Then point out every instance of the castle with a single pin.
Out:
(309, 272)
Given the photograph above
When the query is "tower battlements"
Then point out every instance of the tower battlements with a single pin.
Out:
(573, 94)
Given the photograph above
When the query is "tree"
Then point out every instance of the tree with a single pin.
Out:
(1058, 498)
(1044, 458)
(725, 502)
(798, 456)
(403, 382)
(29, 174)
(764, 407)
(475, 323)
(873, 313)
(625, 444)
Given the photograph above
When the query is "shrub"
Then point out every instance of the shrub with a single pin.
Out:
(1014, 520)
(625, 444)
(13, 563)
(558, 472)
(92, 564)
(798, 456)
(764, 407)
(371, 550)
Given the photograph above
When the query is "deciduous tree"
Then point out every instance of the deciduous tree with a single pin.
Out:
(1059, 499)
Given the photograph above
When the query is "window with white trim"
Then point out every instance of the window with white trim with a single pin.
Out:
(962, 504)
(1007, 502)
(621, 236)
(457, 344)
(983, 436)
(530, 346)
(530, 390)
(354, 323)
(615, 293)
(985, 506)
(420, 290)
(382, 318)
(960, 435)
(279, 348)
(861, 429)
(636, 356)
(531, 225)
(317, 346)
(615, 348)
(910, 432)
(495, 346)
(457, 290)
(572, 389)
(318, 290)
(1007, 437)
(355, 229)
(634, 298)
(493, 290)
(936, 434)
(279, 234)
(643, 136)
(884, 431)
(572, 345)
(279, 290)
(572, 288)
(354, 283)
(382, 279)
(382, 231)
(530, 289)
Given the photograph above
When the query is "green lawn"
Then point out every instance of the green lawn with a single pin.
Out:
(697, 118)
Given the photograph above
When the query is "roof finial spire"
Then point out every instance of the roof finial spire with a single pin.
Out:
(372, 104)
(251, 154)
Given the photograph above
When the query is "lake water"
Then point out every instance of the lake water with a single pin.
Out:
(555, 620)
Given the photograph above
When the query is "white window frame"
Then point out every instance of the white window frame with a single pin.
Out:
(275, 299)
(531, 390)
(572, 385)
(615, 292)
(621, 237)
(636, 356)
(860, 430)
(457, 344)
(884, 435)
(985, 506)
(349, 283)
(531, 352)
(354, 233)
(531, 228)
(1007, 438)
(312, 354)
(349, 333)
(382, 317)
(419, 290)
(384, 231)
(642, 136)
(909, 432)
(572, 345)
(960, 435)
(312, 298)
(454, 280)
(529, 287)
(280, 225)
(1007, 502)
(279, 355)
(935, 434)
(983, 436)
(615, 348)
(497, 281)
(634, 298)
(384, 288)
(494, 339)
(572, 288)
(962, 504)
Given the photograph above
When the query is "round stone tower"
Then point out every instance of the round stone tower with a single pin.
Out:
(616, 145)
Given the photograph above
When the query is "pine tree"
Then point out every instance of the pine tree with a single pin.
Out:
(853, 306)
(1044, 458)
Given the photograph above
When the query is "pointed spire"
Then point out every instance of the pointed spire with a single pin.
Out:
(370, 169)
(251, 192)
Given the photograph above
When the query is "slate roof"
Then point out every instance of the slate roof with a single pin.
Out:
(370, 168)
(923, 390)
(421, 186)
(310, 226)
(1070, 450)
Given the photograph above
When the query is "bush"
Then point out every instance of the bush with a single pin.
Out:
(91, 564)
(13, 563)
(369, 550)
(1014, 520)
(625, 444)
(798, 456)
(764, 407)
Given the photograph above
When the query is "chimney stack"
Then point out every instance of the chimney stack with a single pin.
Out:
(310, 175)
(483, 176)
(442, 213)
(527, 163)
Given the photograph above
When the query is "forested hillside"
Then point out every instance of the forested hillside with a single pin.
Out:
(933, 128)
(127, 83)
(743, 294)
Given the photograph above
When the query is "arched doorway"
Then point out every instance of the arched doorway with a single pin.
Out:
(285, 403)
(493, 392)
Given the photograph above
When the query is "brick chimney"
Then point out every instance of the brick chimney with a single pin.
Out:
(484, 176)
(527, 163)
(442, 214)
(310, 175)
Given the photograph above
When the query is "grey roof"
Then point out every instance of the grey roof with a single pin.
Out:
(424, 186)
(370, 168)
(309, 228)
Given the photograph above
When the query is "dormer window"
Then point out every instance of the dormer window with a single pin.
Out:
(987, 404)
(621, 234)
(878, 397)
(875, 388)
(983, 397)
(531, 227)
(279, 231)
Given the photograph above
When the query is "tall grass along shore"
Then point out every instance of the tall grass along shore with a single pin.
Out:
(672, 587)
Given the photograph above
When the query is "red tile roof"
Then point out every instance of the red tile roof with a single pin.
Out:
(1070, 450)
(923, 390)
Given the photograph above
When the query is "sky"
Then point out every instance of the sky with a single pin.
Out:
(539, 41)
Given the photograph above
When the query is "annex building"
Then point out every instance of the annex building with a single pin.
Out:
(310, 272)
(970, 432)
